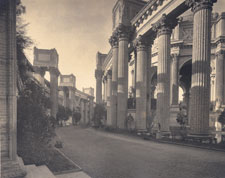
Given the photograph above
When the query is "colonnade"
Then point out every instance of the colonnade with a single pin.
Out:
(167, 87)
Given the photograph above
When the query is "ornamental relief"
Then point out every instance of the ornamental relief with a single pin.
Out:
(187, 34)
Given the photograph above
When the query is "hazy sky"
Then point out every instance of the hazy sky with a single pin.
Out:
(77, 29)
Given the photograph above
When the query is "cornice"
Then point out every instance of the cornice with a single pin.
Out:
(145, 12)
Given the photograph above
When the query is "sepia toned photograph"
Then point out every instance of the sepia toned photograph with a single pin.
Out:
(112, 89)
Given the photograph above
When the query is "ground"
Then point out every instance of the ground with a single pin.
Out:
(107, 155)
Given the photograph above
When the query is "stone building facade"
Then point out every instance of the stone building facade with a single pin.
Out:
(163, 49)
(76, 100)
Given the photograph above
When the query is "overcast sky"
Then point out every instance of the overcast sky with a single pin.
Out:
(77, 29)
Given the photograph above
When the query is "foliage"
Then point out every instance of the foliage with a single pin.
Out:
(182, 119)
(221, 118)
(23, 41)
(63, 113)
(76, 117)
(35, 126)
(99, 115)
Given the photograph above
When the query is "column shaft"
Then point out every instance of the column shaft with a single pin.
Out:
(174, 88)
(113, 104)
(98, 76)
(200, 87)
(163, 81)
(54, 91)
(109, 94)
(122, 82)
(141, 85)
(8, 76)
(219, 79)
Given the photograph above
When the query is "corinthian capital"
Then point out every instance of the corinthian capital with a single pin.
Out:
(140, 43)
(113, 40)
(163, 26)
(124, 31)
(197, 5)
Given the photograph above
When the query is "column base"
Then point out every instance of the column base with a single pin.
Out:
(202, 138)
(12, 169)
(142, 132)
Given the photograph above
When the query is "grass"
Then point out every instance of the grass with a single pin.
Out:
(50, 157)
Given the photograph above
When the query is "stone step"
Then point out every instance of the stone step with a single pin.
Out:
(11, 169)
(38, 172)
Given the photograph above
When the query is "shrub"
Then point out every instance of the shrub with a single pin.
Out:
(35, 128)
(99, 115)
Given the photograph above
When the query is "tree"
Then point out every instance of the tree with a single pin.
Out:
(76, 117)
(221, 118)
(99, 115)
(35, 127)
(63, 114)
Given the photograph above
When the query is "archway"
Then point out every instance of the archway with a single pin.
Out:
(185, 73)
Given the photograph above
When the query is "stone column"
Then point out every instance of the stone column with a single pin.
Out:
(98, 76)
(109, 94)
(54, 73)
(114, 43)
(163, 73)
(91, 109)
(141, 84)
(105, 88)
(86, 119)
(219, 79)
(65, 91)
(174, 88)
(122, 90)
(82, 111)
(200, 86)
(8, 88)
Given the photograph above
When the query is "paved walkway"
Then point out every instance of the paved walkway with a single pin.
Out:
(106, 155)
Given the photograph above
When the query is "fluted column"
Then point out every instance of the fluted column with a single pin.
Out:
(109, 94)
(163, 73)
(200, 86)
(105, 88)
(82, 111)
(98, 76)
(122, 89)
(141, 84)
(219, 79)
(54, 73)
(114, 43)
(174, 80)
